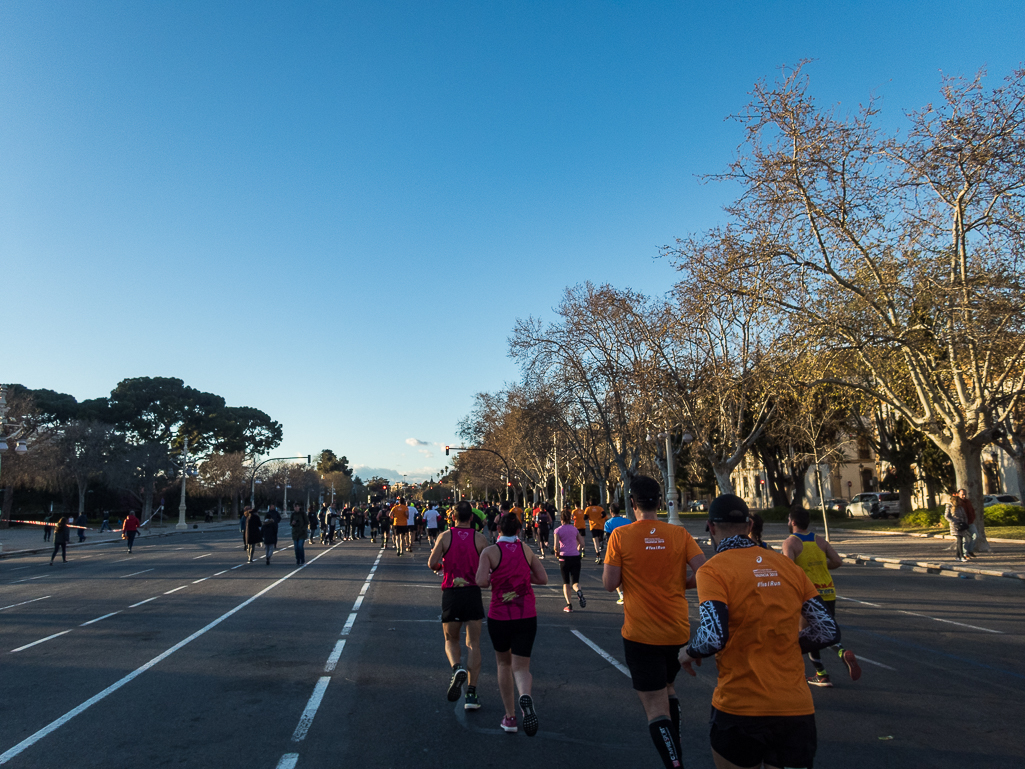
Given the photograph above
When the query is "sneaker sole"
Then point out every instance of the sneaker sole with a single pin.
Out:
(468, 706)
(852, 665)
(455, 686)
(510, 729)
(529, 716)
(822, 684)
(583, 601)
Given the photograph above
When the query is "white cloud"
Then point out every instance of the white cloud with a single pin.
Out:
(416, 442)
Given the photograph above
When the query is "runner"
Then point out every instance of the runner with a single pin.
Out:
(569, 547)
(510, 568)
(384, 520)
(596, 515)
(816, 557)
(544, 527)
(411, 527)
(399, 516)
(580, 521)
(457, 554)
(751, 603)
(613, 523)
(649, 558)
(431, 517)
(515, 510)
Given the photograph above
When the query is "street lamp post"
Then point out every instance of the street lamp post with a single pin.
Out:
(185, 473)
(252, 494)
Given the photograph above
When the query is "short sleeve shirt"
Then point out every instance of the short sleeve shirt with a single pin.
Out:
(653, 557)
(518, 512)
(596, 515)
(761, 671)
(400, 514)
(579, 519)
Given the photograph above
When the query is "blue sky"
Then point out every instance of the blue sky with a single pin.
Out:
(336, 211)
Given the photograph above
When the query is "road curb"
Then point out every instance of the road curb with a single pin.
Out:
(75, 545)
(919, 534)
(928, 567)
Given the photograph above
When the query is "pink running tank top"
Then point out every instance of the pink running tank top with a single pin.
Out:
(460, 560)
(566, 540)
(512, 597)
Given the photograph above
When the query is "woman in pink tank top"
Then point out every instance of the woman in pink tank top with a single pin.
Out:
(509, 567)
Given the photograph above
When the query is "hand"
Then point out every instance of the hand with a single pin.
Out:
(689, 663)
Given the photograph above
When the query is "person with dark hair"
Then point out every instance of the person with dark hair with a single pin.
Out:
(399, 516)
(252, 533)
(129, 529)
(544, 526)
(757, 526)
(569, 547)
(595, 514)
(817, 558)
(269, 535)
(61, 537)
(510, 567)
(649, 559)
(456, 553)
(752, 603)
(300, 525)
(613, 523)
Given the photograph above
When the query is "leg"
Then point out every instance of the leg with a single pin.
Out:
(505, 682)
(452, 649)
(521, 674)
(473, 657)
(565, 593)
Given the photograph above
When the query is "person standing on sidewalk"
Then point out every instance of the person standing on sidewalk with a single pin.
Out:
(817, 558)
(752, 604)
(510, 567)
(957, 517)
(972, 535)
(129, 529)
(82, 522)
(649, 559)
(61, 537)
(48, 527)
(300, 524)
(456, 553)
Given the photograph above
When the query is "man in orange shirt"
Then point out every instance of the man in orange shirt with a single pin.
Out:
(751, 602)
(518, 512)
(400, 525)
(649, 559)
(596, 515)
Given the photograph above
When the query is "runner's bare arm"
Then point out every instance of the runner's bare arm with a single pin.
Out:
(485, 566)
(538, 575)
(438, 552)
(833, 559)
(695, 564)
(479, 540)
(612, 577)
(792, 547)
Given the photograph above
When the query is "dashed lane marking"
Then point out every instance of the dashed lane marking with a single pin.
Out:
(205, 555)
(142, 602)
(306, 719)
(336, 653)
(602, 653)
(923, 616)
(134, 574)
(24, 602)
(105, 616)
(40, 641)
(288, 761)
(175, 590)
(877, 664)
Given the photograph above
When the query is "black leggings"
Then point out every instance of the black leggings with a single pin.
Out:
(63, 547)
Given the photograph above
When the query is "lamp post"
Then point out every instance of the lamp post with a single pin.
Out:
(185, 471)
(252, 494)
(671, 501)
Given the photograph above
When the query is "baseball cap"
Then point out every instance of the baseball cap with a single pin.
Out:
(728, 508)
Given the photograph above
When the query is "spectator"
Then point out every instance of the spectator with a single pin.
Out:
(61, 537)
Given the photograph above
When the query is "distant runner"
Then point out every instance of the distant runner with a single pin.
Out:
(399, 516)
(596, 515)
(613, 523)
(568, 547)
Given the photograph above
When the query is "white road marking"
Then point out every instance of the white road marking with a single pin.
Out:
(363, 590)
(124, 559)
(237, 567)
(134, 574)
(222, 572)
(306, 719)
(332, 659)
(175, 590)
(288, 761)
(348, 624)
(923, 616)
(602, 653)
(56, 724)
(142, 602)
(41, 640)
(359, 602)
(90, 622)
(200, 580)
(17, 582)
(205, 555)
(24, 602)
(873, 662)
(23, 567)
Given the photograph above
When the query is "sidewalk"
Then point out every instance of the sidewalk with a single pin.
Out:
(25, 540)
(932, 555)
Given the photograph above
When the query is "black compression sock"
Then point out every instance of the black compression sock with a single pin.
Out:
(674, 716)
(456, 667)
(471, 689)
(661, 734)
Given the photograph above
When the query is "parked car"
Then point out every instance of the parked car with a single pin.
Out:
(1000, 499)
(698, 506)
(873, 504)
(836, 505)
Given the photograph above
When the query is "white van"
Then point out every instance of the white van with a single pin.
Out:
(875, 504)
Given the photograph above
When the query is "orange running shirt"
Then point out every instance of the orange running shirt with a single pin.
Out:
(400, 515)
(653, 556)
(761, 671)
(518, 512)
(596, 515)
(578, 518)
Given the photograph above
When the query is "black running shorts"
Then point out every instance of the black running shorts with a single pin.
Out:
(583, 533)
(652, 667)
(775, 740)
(461, 604)
(597, 534)
(516, 635)
(569, 565)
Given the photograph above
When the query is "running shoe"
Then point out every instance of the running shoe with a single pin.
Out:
(542, 556)
(529, 716)
(820, 679)
(597, 559)
(619, 601)
(471, 702)
(509, 725)
(567, 607)
(852, 664)
(455, 684)
(583, 601)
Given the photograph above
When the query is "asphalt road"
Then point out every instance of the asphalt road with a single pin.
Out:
(181, 655)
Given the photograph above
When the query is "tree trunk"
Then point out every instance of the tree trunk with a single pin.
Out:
(723, 471)
(967, 460)
(147, 501)
(8, 506)
(81, 496)
(906, 491)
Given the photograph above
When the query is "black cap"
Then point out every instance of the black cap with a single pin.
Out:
(728, 508)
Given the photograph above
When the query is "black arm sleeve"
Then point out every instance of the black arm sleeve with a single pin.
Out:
(822, 630)
(713, 632)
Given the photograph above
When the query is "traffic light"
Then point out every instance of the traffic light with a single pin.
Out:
(446, 451)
